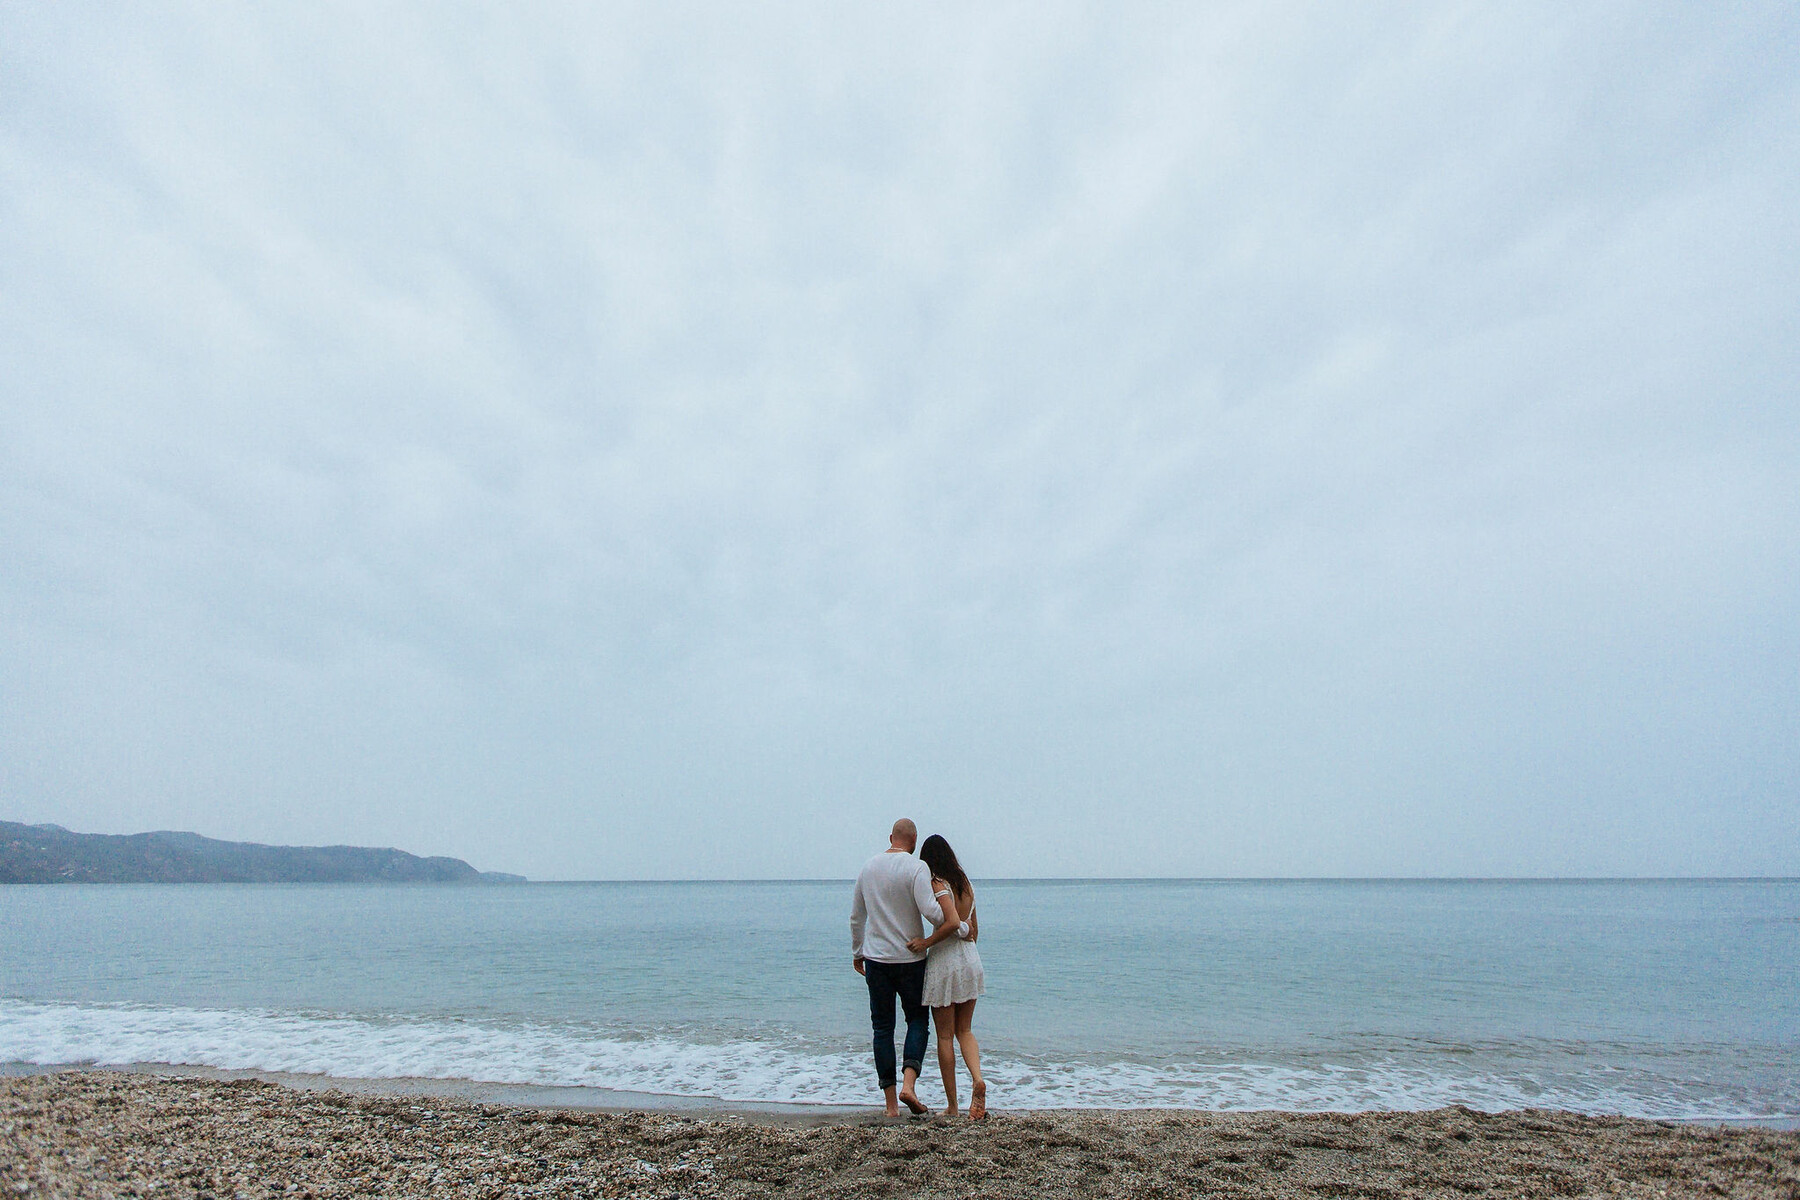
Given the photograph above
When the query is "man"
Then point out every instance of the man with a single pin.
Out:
(893, 897)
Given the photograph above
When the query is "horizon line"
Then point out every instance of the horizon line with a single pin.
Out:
(1224, 879)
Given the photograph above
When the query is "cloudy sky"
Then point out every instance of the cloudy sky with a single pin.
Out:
(667, 441)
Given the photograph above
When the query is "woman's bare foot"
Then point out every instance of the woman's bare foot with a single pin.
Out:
(978, 1100)
(913, 1102)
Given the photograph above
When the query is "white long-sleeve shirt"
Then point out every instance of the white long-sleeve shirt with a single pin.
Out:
(893, 897)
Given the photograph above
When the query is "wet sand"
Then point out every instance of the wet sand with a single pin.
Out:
(103, 1133)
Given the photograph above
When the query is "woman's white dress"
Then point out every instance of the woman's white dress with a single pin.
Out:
(953, 971)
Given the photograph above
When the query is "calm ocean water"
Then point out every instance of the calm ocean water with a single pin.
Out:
(1662, 999)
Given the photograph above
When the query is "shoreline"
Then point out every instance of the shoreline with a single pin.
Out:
(81, 1133)
(551, 1097)
(489, 1093)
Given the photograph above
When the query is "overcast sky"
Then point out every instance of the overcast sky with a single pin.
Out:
(663, 441)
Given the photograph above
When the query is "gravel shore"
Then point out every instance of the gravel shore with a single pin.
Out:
(101, 1133)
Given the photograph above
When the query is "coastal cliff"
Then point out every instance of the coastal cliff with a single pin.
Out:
(52, 854)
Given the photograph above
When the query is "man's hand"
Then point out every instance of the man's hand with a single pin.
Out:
(857, 963)
(917, 945)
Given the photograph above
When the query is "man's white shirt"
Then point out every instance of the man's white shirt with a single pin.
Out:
(893, 898)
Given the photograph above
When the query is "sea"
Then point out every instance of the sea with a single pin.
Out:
(1663, 999)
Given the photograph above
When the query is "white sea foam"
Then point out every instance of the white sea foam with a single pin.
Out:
(773, 1070)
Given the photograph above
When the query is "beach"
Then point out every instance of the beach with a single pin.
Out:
(92, 1133)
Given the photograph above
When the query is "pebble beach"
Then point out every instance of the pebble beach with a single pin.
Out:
(90, 1133)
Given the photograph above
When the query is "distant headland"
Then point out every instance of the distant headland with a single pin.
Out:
(52, 854)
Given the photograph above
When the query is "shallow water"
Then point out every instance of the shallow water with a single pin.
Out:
(1664, 999)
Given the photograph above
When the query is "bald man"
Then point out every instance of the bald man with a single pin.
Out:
(893, 898)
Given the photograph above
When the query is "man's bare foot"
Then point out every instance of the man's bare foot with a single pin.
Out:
(978, 1100)
(893, 1109)
(911, 1101)
(952, 1111)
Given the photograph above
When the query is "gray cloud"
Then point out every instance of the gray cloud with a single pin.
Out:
(651, 441)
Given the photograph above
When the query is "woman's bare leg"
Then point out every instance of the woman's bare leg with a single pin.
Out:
(971, 1052)
(945, 1019)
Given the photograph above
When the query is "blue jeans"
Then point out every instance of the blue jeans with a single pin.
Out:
(906, 980)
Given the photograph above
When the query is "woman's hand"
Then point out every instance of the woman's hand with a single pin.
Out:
(917, 945)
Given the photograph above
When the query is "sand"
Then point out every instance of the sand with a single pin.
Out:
(101, 1133)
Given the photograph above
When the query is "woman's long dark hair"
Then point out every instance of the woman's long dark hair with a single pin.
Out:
(937, 854)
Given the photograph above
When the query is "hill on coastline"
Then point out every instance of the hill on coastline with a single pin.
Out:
(52, 854)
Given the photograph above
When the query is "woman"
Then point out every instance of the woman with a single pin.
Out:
(953, 976)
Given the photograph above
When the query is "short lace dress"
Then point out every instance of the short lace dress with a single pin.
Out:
(953, 970)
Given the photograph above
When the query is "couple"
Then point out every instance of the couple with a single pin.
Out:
(895, 893)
